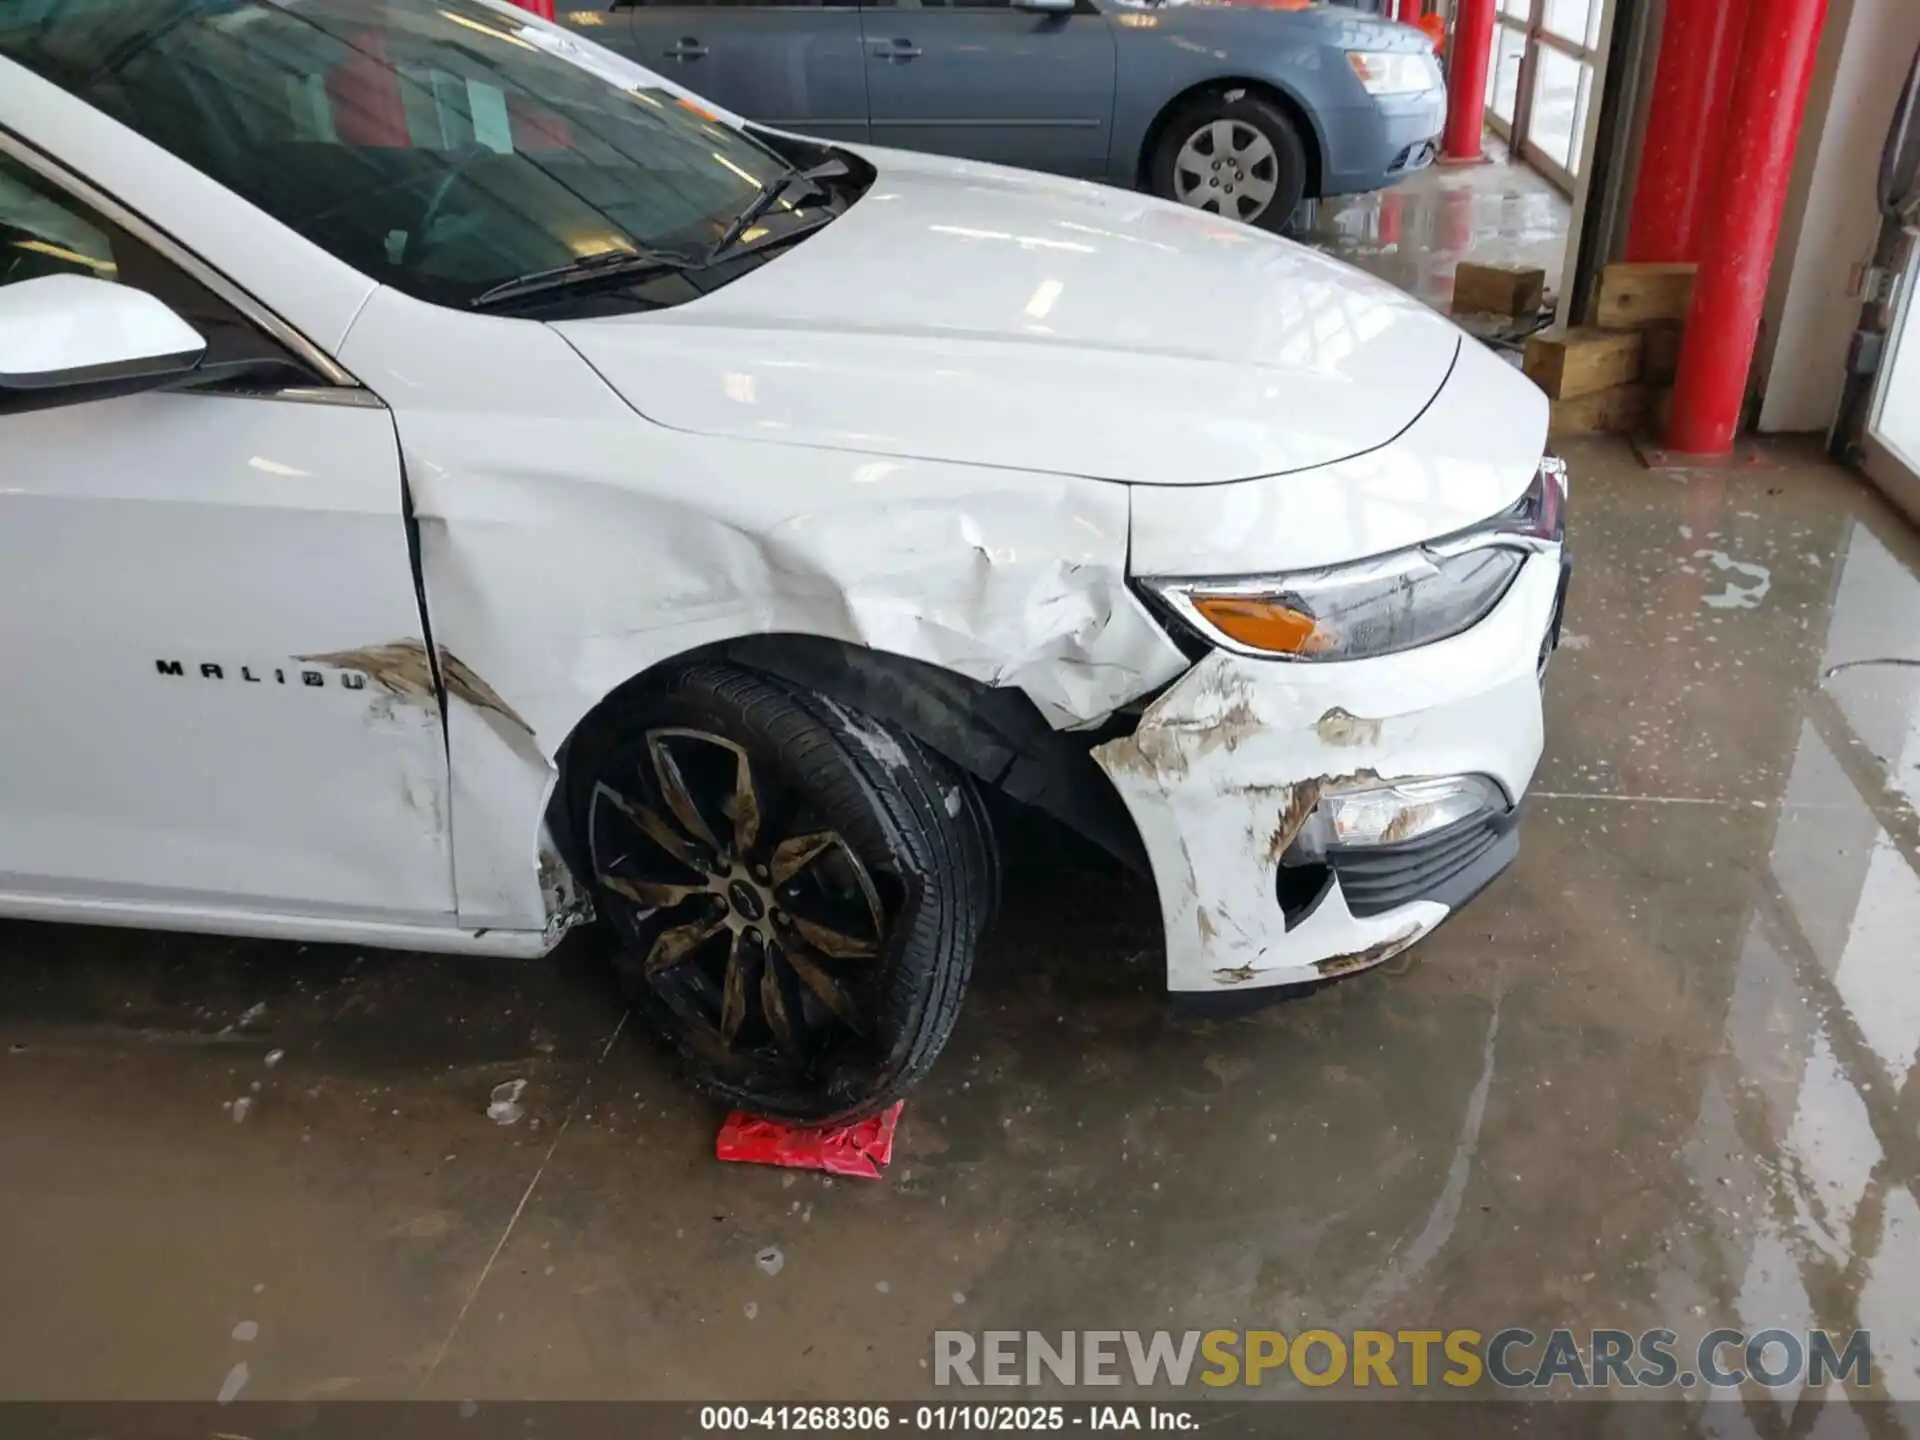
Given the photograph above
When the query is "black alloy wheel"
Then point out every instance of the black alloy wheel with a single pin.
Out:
(796, 890)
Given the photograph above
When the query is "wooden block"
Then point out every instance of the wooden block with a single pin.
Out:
(1633, 297)
(1498, 290)
(1570, 363)
(1662, 353)
(1607, 412)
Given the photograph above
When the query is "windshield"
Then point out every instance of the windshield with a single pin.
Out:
(444, 147)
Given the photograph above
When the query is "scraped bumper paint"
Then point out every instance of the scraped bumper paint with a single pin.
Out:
(1225, 766)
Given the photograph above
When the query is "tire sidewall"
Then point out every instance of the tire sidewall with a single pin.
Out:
(839, 789)
(1288, 147)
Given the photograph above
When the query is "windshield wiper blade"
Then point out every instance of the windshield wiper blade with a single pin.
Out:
(769, 196)
(601, 265)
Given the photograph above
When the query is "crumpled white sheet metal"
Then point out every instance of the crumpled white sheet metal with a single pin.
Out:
(556, 574)
(1227, 763)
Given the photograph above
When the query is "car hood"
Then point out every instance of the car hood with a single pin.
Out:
(986, 316)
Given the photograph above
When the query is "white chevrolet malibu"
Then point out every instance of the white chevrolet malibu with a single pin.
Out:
(453, 481)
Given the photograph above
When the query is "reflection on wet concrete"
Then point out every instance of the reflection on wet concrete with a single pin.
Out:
(1660, 1075)
(1417, 233)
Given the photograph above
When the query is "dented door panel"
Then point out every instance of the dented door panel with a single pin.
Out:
(556, 574)
(171, 566)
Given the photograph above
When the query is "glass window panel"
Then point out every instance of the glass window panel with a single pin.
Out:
(436, 146)
(1503, 77)
(1575, 157)
(1570, 18)
(1556, 98)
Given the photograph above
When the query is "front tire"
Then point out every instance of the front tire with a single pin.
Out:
(1232, 154)
(797, 890)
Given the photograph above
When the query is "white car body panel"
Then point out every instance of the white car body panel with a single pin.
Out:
(1041, 324)
(555, 573)
(1216, 764)
(216, 918)
(71, 322)
(907, 433)
(229, 536)
(1471, 454)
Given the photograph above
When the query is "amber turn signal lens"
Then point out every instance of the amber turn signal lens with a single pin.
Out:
(1263, 624)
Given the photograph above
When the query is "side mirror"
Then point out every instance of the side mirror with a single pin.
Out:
(1045, 7)
(62, 331)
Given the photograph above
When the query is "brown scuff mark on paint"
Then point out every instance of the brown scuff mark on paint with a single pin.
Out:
(1293, 815)
(402, 669)
(1159, 749)
(1400, 827)
(567, 904)
(1369, 957)
(1239, 975)
(1343, 727)
(463, 684)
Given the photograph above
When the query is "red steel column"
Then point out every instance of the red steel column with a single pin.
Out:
(1743, 222)
(1686, 124)
(1408, 12)
(1467, 80)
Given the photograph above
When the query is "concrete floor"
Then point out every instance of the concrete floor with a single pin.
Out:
(1417, 233)
(1661, 1074)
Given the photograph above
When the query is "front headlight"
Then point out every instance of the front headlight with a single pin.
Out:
(1393, 72)
(1381, 606)
(1351, 612)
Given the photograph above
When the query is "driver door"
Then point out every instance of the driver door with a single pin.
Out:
(188, 578)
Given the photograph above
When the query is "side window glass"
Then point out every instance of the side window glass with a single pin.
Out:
(40, 235)
(45, 231)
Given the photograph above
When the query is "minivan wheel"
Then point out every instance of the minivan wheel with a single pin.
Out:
(1232, 154)
(797, 891)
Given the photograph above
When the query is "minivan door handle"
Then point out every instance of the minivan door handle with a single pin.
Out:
(688, 48)
(895, 50)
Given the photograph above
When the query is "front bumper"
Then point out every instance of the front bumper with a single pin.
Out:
(1225, 766)
(1381, 142)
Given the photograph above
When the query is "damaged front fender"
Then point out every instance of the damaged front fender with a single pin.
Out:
(568, 547)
